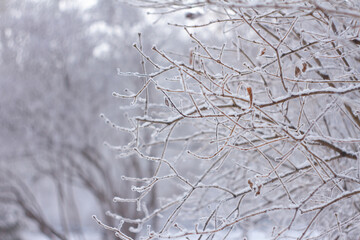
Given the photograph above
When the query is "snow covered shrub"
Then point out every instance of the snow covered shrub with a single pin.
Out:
(255, 128)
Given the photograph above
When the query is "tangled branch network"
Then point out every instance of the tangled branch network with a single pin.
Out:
(255, 126)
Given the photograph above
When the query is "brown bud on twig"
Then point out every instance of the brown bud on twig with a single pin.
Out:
(250, 183)
(258, 190)
(249, 90)
(297, 71)
(192, 16)
(167, 103)
(262, 51)
(304, 67)
(191, 57)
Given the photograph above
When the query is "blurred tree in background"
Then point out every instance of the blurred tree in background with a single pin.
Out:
(59, 62)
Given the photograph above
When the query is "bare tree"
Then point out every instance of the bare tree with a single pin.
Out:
(258, 122)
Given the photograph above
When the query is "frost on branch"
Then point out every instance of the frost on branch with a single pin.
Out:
(257, 124)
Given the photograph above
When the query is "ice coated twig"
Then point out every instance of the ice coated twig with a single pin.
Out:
(263, 124)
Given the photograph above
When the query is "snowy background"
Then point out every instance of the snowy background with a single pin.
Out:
(188, 119)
